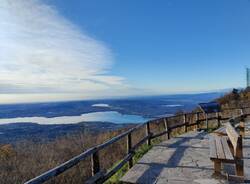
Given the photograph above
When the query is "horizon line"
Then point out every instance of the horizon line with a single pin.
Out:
(120, 97)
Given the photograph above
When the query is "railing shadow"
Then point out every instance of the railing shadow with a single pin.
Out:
(155, 169)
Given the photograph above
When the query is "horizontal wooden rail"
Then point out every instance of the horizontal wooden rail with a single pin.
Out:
(102, 176)
(117, 167)
(160, 134)
(117, 138)
(192, 124)
(177, 126)
(61, 168)
(141, 142)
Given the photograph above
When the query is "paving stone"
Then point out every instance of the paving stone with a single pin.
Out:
(184, 159)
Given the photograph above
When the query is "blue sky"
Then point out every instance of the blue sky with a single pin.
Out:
(143, 47)
(170, 43)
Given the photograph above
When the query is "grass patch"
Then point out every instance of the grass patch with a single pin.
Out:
(210, 130)
(115, 178)
(139, 153)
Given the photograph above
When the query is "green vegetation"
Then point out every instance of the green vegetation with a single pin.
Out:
(236, 98)
(143, 149)
(139, 153)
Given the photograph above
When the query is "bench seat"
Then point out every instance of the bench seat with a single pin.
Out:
(219, 149)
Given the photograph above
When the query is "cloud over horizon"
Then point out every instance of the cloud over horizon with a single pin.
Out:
(42, 53)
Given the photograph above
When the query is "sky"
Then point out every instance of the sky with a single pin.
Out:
(52, 50)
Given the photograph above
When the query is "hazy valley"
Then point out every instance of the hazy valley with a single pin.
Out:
(47, 121)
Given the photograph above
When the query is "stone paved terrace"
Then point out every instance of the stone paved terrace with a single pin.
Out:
(183, 160)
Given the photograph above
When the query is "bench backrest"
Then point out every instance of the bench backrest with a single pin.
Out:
(235, 121)
(235, 139)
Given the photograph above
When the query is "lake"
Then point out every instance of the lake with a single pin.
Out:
(110, 110)
(108, 116)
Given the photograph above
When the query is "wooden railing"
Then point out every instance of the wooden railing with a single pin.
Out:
(99, 176)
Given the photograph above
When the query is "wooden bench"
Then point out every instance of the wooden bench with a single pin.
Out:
(227, 149)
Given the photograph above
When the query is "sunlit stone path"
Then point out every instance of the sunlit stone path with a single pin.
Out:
(182, 160)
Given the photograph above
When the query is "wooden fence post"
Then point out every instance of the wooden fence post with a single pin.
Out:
(218, 119)
(185, 121)
(129, 147)
(206, 115)
(95, 163)
(166, 128)
(241, 112)
(148, 133)
(197, 120)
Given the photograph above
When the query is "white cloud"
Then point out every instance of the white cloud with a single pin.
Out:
(42, 52)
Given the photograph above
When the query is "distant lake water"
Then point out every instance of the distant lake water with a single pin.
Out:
(108, 116)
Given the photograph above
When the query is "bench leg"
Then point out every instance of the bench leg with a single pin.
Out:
(239, 168)
(239, 150)
(217, 167)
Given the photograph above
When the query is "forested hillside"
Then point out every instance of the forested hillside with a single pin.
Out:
(236, 98)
